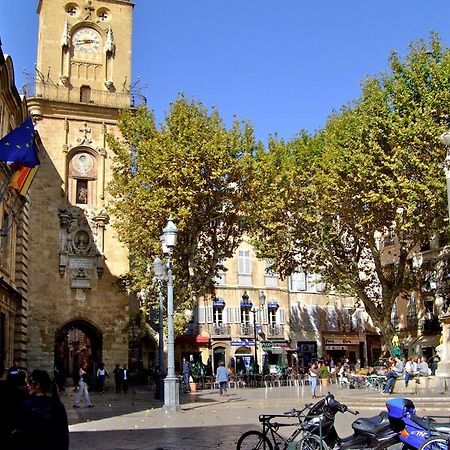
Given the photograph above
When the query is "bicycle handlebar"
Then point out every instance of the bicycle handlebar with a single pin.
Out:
(296, 412)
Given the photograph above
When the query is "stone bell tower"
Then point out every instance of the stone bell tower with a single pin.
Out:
(76, 311)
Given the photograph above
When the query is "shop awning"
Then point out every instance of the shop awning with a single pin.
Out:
(193, 339)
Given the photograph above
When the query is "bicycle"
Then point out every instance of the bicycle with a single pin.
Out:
(269, 438)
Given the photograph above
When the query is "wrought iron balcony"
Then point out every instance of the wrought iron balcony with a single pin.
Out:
(247, 329)
(75, 95)
(223, 329)
(275, 330)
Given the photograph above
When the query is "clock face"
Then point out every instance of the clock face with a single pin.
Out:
(86, 41)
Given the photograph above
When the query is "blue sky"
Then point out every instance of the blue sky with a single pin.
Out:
(283, 65)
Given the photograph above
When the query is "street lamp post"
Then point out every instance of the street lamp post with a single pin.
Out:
(445, 139)
(443, 369)
(160, 274)
(255, 311)
(171, 382)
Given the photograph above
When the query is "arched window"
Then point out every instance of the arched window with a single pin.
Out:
(82, 183)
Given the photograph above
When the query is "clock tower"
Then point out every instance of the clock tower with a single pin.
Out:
(76, 311)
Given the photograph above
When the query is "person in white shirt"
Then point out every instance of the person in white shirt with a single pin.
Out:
(410, 369)
(125, 379)
(313, 379)
(423, 368)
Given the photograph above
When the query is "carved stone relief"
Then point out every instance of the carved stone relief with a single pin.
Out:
(81, 244)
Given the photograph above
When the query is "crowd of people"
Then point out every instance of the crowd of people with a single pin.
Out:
(354, 375)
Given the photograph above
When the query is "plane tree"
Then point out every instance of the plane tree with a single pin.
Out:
(326, 201)
(193, 168)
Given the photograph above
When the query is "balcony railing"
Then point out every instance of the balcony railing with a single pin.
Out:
(275, 330)
(222, 329)
(247, 330)
(74, 95)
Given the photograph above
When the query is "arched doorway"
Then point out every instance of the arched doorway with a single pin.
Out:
(218, 355)
(244, 360)
(75, 342)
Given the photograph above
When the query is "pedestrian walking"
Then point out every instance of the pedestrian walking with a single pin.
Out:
(222, 378)
(186, 368)
(118, 378)
(83, 388)
(125, 378)
(42, 420)
(102, 374)
(313, 379)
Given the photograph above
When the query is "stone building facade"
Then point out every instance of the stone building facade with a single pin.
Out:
(295, 324)
(76, 311)
(14, 234)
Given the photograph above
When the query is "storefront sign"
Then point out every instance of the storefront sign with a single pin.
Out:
(242, 343)
(341, 341)
(336, 347)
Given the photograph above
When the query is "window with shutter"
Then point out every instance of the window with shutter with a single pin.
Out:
(294, 317)
(237, 315)
(298, 281)
(265, 312)
(226, 315)
(281, 314)
(209, 314)
(244, 268)
(270, 277)
(201, 314)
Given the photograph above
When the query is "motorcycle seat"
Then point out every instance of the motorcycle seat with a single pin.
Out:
(371, 425)
(430, 424)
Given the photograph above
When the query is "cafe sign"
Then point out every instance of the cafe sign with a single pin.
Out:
(341, 341)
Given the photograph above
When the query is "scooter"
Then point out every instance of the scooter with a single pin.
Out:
(374, 433)
(414, 431)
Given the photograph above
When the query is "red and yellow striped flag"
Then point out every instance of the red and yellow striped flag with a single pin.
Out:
(22, 179)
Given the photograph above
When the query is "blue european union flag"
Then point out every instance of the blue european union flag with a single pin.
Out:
(18, 146)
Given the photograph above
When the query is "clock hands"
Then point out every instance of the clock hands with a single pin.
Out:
(85, 41)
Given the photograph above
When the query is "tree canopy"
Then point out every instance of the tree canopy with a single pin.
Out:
(192, 168)
(326, 201)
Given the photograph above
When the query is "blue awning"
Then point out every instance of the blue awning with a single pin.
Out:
(273, 305)
(218, 304)
(248, 305)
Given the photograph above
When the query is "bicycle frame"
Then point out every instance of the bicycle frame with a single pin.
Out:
(273, 427)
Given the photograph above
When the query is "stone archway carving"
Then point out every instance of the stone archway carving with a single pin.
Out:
(77, 341)
(81, 246)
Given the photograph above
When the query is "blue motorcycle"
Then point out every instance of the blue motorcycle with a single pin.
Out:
(417, 433)
(397, 429)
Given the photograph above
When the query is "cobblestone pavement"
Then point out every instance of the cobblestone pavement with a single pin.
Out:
(135, 421)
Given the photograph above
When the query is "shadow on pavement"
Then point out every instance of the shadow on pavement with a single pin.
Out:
(110, 404)
(203, 438)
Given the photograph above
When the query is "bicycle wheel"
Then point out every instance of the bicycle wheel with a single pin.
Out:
(312, 442)
(435, 443)
(254, 440)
